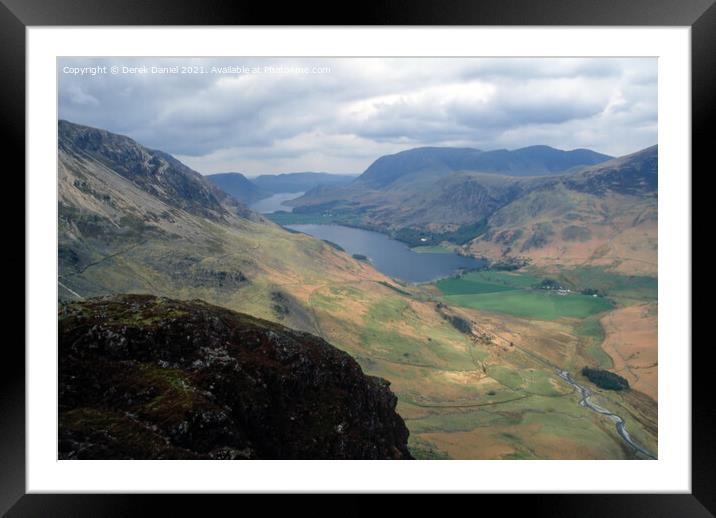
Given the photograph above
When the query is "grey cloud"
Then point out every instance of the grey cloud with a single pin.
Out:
(366, 107)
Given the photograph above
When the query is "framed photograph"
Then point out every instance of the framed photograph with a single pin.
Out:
(440, 250)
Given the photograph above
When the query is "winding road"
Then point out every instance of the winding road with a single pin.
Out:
(587, 402)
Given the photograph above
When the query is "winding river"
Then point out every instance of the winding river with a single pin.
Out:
(587, 402)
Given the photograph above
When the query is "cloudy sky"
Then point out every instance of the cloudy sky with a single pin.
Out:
(271, 115)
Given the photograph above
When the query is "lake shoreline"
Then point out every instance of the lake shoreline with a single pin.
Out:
(313, 219)
(390, 256)
(275, 202)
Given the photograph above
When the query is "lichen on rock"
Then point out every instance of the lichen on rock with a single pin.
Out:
(144, 377)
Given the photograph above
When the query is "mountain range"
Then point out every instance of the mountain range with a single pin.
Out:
(539, 204)
(132, 220)
(412, 163)
(135, 219)
(300, 182)
(141, 237)
(254, 189)
(528, 161)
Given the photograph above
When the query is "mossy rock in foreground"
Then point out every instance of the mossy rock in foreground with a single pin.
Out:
(144, 377)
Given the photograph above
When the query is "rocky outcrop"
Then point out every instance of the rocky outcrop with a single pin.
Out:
(144, 377)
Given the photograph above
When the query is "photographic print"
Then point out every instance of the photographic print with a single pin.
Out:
(357, 258)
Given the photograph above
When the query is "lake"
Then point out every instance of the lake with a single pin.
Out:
(389, 256)
(275, 202)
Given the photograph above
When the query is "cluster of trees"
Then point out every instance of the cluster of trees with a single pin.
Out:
(398, 290)
(605, 379)
(460, 324)
(549, 284)
(280, 304)
(509, 264)
(592, 292)
(464, 233)
(334, 245)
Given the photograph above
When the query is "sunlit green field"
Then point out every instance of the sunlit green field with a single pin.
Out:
(513, 293)
(486, 281)
(533, 304)
(615, 285)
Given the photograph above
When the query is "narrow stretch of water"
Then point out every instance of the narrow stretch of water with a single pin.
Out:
(275, 202)
(389, 256)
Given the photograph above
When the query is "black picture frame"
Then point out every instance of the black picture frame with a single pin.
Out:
(16, 15)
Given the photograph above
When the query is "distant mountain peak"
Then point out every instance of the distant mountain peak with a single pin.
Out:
(238, 186)
(634, 174)
(537, 160)
(300, 182)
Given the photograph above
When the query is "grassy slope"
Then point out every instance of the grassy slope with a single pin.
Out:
(529, 338)
(434, 369)
(575, 230)
(454, 391)
(604, 243)
(506, 398)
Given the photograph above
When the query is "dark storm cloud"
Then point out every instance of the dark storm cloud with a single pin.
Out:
(353, 110)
